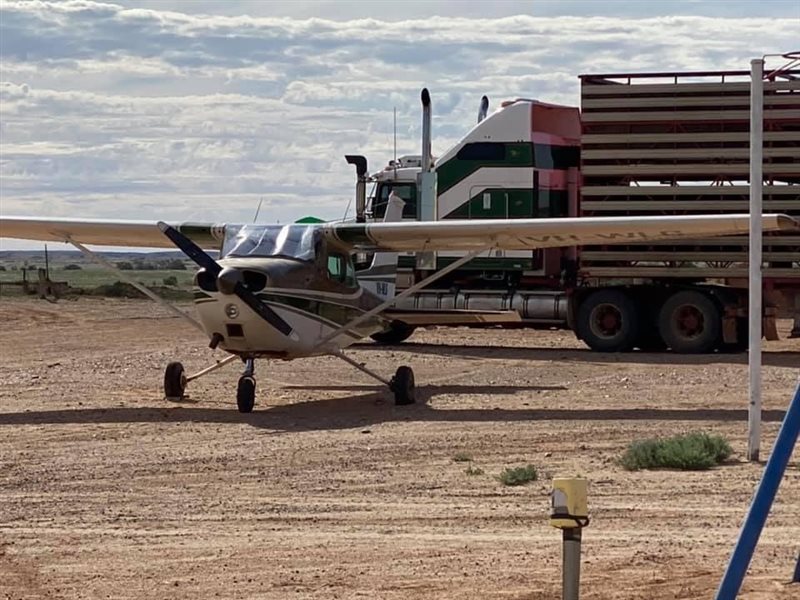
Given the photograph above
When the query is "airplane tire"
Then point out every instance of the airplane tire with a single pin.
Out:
(246, 394)
(174, 381)
(403, 386)
(690, 323)
(395, 334)
(608, 321)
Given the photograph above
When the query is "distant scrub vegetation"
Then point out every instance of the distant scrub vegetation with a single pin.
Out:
(518, 475)
(121, 289)
(172, 264)
(691, 452)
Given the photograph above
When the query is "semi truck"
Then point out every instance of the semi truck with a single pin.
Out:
(640, 144)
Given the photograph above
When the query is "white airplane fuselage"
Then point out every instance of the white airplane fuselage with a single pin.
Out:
(303, 295)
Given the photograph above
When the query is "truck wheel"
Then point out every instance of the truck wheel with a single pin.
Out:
(396, 333)
(607, 321)
(690, 323)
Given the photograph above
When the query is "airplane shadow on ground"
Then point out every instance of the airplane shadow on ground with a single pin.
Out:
(363, 410)
(783, 358)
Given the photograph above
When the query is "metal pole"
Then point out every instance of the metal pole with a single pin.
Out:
(571, 566)
(754, 302)
(796, 577)
(762, 502)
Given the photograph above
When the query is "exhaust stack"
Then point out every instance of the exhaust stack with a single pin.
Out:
(426, 131)
(484, 109)
(426, 183)
(360, 163)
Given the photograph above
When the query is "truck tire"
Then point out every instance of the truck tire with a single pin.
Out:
(690, 323)
(608, 321)
(397, 333)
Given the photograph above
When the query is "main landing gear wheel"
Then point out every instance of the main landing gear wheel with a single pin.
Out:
(403, 386)
(396, 333)
(174, 382)
(246, 394)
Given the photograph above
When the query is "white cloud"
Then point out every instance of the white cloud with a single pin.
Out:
(134, 111)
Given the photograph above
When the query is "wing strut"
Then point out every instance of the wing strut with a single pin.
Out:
(407, 292)
(146, 291)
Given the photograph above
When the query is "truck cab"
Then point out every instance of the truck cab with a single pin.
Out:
(399, 176)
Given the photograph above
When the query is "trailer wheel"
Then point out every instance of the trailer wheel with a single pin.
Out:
(397, 333)
(690, 323)
(607, 321)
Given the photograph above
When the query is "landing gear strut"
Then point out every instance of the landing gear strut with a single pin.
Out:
(176, 380)
(246, 390)
(401, 385)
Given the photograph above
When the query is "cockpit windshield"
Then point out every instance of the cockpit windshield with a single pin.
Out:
(290, 241)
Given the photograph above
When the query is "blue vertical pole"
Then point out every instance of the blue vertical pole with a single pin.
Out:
(762, 502)
(796, 578)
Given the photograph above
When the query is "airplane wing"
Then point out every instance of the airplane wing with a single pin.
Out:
(525, 234)
(507, 234)
(108, 233)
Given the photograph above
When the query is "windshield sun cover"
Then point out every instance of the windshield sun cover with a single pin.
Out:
(290, 241)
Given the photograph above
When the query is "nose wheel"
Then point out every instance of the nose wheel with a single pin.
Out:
(246, 390)
(246, 394)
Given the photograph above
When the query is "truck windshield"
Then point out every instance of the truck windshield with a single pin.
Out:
(407, 191)
(290, 241)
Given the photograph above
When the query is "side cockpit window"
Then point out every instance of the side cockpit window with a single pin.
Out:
(341, 269)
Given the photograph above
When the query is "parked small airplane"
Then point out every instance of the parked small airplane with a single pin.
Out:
(290, 291)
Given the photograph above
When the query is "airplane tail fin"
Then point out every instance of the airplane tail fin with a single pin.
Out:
(381, 276)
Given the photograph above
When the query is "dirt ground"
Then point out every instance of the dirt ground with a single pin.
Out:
(330, 491)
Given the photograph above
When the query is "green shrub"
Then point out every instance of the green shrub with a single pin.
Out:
(72, 267)
(462, 457)
(518, 475)
(691, 452)
(472, 470)
(171, 280)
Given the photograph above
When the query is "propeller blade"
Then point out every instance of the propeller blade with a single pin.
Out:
(190, 249)
(263, 311)
(193, 251)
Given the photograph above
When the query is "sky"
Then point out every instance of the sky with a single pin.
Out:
(199, 109)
